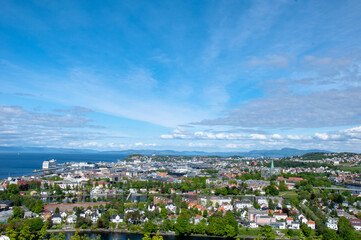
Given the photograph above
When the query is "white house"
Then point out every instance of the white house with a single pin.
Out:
(278, 225)
(88, 212)
(151, 207)
(29, 214)
(94, 217)
(63, 215)
(171, 207)
(242, 204)
(311, 224)
(289, 221)
(295, 225)
(253, 225)
(357, 226)
(56, 218)
(133, 190)
(263, 202)
(71, 219)
(116, 218)
(280, 216)
(227, 206)
(332, 224)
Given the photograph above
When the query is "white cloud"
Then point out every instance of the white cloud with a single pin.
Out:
(166, 136)
(323, 136)
(232, 145)
(140, 144)
(326, 61)
(258, 136)
(116, 145)
(93, 144)
(200, 144)
(271, 60)
(16, 115)
(318, 109)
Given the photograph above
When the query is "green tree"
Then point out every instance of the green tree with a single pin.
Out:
(271, 204)
(156, 237)
(345, 230)
(306, 230)
(182, 226)
(80, 221)
(25, 233)
(11, 233)
(38, 207)
(167, 225)
(216, 226)
(35, 224)
(61, 236)
(205, 213)
(149, 227)
(13, 189)
(201, 227)
(100, 223)
(268, 233)
(164, 213)
(330, 235)
(76, 236)
(43, 231)
(231, 220)
(272, 190)
(18, 212)
(230, 231)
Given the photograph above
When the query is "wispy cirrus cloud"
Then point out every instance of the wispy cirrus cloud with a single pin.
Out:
(16, 115)
(236, 73)
(325, 61)
(21, 127)
(278, 61)
(76, 110)
(321, 109)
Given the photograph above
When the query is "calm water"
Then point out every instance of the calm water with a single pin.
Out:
(15, 165)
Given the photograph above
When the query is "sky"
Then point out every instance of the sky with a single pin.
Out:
(181, 75)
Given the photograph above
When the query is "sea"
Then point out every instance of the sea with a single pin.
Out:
(22, 164)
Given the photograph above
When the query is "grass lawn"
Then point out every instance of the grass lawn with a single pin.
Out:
(350, 168)
(289, 194)
(249, 231)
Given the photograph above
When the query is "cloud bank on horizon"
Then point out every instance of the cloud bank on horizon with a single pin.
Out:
(204, 75)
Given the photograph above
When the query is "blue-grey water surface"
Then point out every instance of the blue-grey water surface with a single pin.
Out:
(15, 165)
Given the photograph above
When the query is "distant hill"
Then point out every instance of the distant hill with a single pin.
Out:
(322, 155)
(284, 152)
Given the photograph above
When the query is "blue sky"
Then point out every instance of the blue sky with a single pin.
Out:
(182, 75)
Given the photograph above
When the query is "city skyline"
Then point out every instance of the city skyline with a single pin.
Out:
(204, 75)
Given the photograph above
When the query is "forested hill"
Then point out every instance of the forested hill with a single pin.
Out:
(285, 152)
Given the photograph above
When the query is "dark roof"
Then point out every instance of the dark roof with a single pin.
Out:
(7, 202)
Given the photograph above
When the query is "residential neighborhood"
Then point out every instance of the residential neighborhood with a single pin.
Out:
(156, 193)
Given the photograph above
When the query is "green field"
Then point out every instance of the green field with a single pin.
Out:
(351, 169)
(289, 194)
